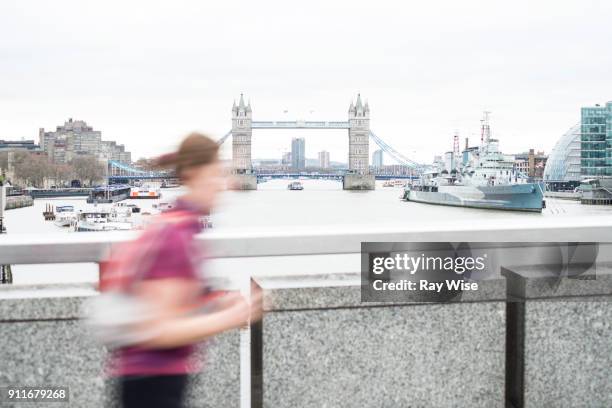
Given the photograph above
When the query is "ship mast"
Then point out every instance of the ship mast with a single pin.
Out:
(456, 150)
(485, 130)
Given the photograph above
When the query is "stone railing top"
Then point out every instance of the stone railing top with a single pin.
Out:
(235, 243)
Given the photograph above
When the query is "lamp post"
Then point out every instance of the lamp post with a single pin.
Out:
(2, 205)
(6, 276)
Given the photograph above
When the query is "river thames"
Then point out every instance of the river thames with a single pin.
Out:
(322, 204)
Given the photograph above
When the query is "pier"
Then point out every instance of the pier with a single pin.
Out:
(596, 191)
(596, 201)
(58, 192)
(10, 199)
(563, 195)
(320, 345)
(13, 202)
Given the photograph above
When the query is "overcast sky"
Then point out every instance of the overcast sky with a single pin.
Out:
(146, 73)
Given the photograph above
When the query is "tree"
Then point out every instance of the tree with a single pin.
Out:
(145, 164)
(3, 161)
(62, 173)
(88, 168)
(31, 168)
(3, 165)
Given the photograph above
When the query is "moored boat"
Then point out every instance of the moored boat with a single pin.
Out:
(162, 207)
(64, 215)
(484, 178)
(145, 191)
(132, 207)
(109, 194)
(165, 184)
(206, 222)
(517, 197)
(89, 221)
(295, 185)
(394, 183)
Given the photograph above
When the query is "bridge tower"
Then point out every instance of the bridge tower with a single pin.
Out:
(358, 177)
(242, 130)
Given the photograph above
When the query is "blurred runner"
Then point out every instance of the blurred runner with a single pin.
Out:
(162, 270)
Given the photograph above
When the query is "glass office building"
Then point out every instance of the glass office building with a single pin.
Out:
(596, 141)
(298, 153)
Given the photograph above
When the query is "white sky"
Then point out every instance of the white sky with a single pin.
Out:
(148, 72)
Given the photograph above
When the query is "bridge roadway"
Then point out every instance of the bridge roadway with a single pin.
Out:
(299, 124)
(142, 177)
(328, 176)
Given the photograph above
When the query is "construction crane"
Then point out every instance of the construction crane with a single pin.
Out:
(485, 128)
(456, 150)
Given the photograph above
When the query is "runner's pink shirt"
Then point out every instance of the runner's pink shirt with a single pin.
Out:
(172, 255)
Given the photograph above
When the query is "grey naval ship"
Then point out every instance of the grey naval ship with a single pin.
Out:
(482, 177)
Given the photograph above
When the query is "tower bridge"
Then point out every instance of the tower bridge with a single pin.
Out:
(358, 176)
(299, 124)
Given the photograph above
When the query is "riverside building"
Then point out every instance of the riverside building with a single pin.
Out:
(324, 159)
(298, 153)
(596, 154)
(74, 138)
(377, 159)
(531, 163)
(596, 140)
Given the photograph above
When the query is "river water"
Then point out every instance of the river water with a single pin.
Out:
(322, 204)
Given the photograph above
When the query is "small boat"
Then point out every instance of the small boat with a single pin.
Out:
(122, 213)
(88, 221)
(162, 207)
(206, 222)
(394, 183)
(133, 207)
(64, 215)
(145, 191)
(295, 185)
(164, 184)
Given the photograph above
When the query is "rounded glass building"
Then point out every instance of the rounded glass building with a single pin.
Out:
(563, 165)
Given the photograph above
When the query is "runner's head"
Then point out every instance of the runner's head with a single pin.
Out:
(196, 163)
